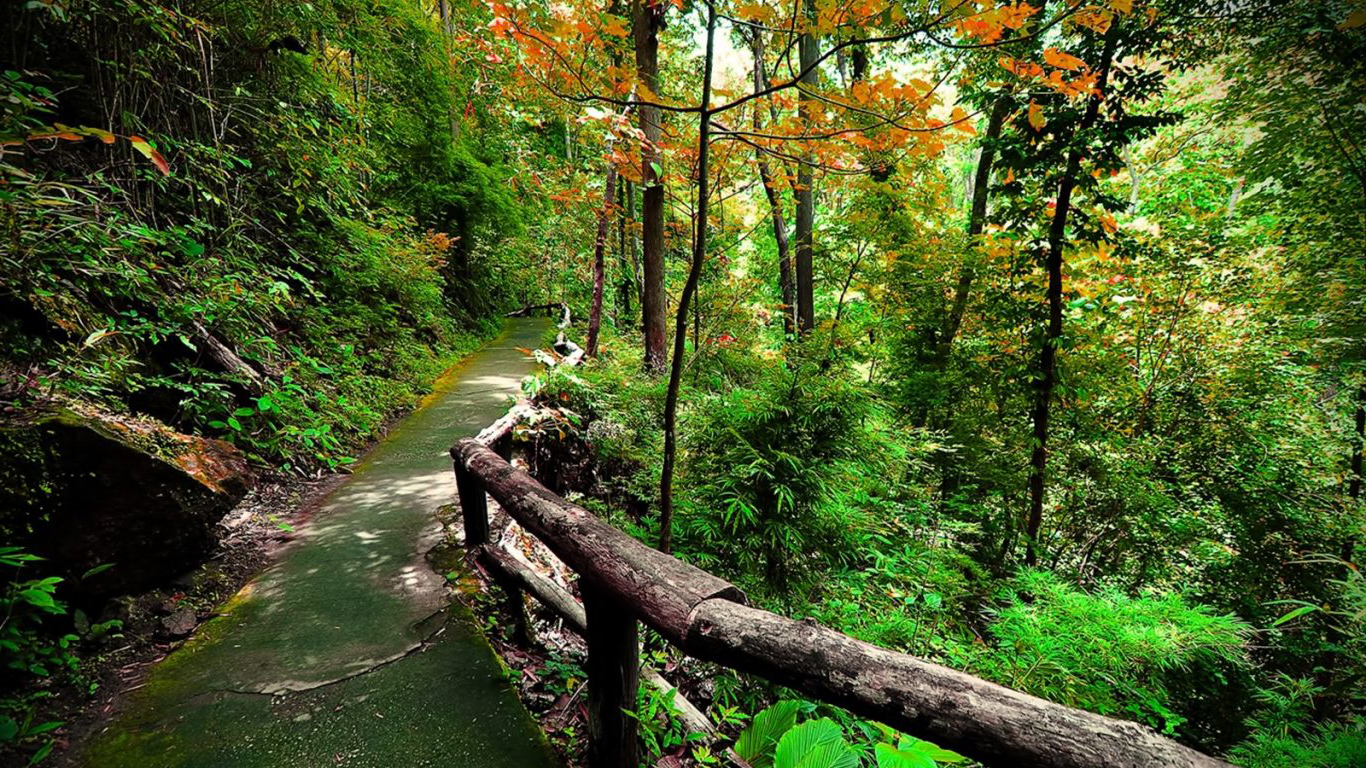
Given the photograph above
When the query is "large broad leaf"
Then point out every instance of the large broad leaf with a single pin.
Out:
(757, 742)
(911, 752)
(889, 756)
(814, 744)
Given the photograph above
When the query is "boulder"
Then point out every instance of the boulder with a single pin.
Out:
(87, 489)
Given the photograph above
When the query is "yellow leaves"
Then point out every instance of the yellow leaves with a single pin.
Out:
(757, 12)
(613, 26)
(1096, 20)
(1015, 16)
(1123, 7)
(643, 93)
(961, 122)
(989, 24)
(1035, 116)
(1024, 69)
(1355, 19)
(1055, 58)
(861, 91)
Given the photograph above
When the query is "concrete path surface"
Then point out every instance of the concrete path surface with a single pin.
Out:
(346, 652)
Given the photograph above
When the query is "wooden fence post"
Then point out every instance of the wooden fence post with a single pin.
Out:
(503, 446)
(474, 507)
(613, 678)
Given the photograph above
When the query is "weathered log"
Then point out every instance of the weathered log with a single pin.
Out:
(228, 359)
(504, 426)
(506, 573)
(659, 589)
(985, 721)
(613, 680)
(550, 594)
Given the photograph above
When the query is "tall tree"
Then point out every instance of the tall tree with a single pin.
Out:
(809, 57)
(1047, 371)
(775, 204)
(699, 253)
(977, 219)
(647, 20)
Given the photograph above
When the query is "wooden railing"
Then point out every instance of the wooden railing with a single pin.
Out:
(623, 581)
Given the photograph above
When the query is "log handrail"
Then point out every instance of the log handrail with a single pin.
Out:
(707, 618)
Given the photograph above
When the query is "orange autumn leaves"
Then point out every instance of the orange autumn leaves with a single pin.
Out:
(583, 58)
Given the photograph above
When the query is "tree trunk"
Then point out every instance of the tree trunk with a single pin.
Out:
(1048, 353)
(699, 252)
(775, 205)
(447, 40)
(806, 193)
(647, 21)
(626, 285)
(977, 219)
(1233, 197)
(1354, 482)
(599, 259)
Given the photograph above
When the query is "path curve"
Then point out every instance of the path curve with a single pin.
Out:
(346, 651)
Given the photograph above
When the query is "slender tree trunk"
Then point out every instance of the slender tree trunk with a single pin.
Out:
(775, 205)
(626, 285)
(647, 20)
(699, 251)
(1048, 353)
(1233, 197)
(1354, 482)
(806, 192)
(448, 40)
(1135, 181)
(977, 218)
(637, 284)
(599, 259)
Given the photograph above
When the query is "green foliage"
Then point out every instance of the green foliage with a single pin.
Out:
(25, 648)
(783, 477)
(758, 741)
(317, 218)
(774, 739)
(1283, 736)
(29, 649)
(1143, 658)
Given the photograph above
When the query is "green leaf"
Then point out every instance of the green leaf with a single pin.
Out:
(101, 568)
(1295, 614)
(757, 742)
(889, 756)
(42, 753)
(45, 727)
(38, 597)
(814, 744)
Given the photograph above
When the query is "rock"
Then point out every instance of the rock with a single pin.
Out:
(83, 488)
(181, 623)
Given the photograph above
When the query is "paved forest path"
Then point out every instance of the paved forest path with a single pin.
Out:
(346, 651)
